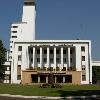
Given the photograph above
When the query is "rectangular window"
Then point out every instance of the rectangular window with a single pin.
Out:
(14, 36)
(57, 52)
(58, 60)
(14, 31)
(18, 77)
(45, 51)
(45, 60)
(83, 58)
(19, 67)
(71, 51)
(83, 77)
(31, 60)
(19, 48)
(19, 57)
(31, 51)
(82, 48)
(7, 77)
(51, 60)
(83, 67)
(38, 60)
(64, 51)
(71, 60)
(51, 51)
(15, 26)
(64, 60)
(38, 51)
(29, 3)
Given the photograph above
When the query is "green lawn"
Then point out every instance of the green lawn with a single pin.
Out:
(67, 90)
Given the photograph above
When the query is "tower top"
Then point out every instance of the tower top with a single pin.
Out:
(29, 2)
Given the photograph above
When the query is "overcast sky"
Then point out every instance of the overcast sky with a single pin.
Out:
(57, 19)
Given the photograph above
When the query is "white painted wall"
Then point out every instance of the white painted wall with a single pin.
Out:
(25, 55)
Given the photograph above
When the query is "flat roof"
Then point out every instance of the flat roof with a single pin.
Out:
(54, 41)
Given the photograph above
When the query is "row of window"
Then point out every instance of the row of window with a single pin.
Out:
(51, 51)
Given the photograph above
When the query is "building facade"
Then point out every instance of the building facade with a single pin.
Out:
(32, 61)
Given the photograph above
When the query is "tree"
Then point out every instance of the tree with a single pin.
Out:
(2, 61)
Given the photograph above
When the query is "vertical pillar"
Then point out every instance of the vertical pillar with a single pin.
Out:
(63, 79)
(46, 79)
(61, 58)
(38, 79)
(55, 57)
(48, 56)
(68, 56)
(41, 57)
(33, 57)
(78, 58)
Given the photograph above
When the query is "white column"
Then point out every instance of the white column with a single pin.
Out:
(68, 56)
(46, 79)
(61, 58)
(63, 79)
(55, 57)
(38, 79)
(33, 57)
(48, 57)
(78, 58)
(41, 57)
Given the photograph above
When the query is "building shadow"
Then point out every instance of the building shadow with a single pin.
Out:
(88, 93)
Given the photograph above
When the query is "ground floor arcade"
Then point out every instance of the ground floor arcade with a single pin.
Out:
(36, 77)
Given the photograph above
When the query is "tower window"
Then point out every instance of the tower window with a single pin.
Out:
(14, 31)
(14, 36)
(15, 26)
(29, 3)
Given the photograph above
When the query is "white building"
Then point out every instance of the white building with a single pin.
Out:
(33, 60)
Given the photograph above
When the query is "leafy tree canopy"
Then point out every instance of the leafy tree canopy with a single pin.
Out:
(2, 60)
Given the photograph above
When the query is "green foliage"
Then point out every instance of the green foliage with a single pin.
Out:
(2, 60)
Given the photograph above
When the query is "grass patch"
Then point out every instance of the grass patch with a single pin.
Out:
(67, 90)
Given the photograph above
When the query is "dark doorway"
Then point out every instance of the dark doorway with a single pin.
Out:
(34, 78)
(68, 79)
